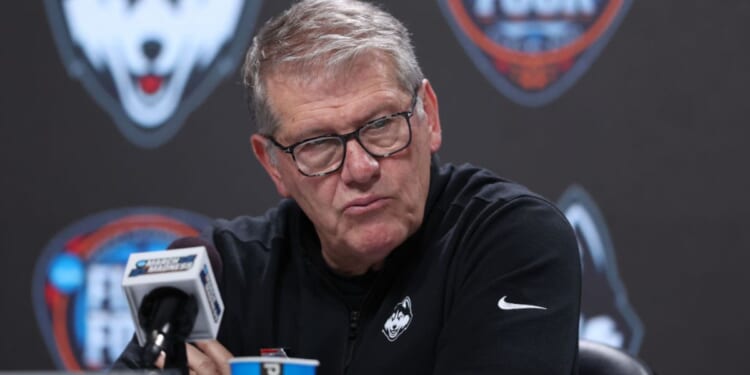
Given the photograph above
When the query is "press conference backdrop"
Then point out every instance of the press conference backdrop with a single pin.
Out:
(123, 127)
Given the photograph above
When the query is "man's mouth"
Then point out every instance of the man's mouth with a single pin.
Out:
(364, 205)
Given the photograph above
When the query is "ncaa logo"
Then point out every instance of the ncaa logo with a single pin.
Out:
(80, 307)
(149, 63)
(533, 50)
(606, 313)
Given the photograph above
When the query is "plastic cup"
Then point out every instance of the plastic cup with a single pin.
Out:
(272, 366)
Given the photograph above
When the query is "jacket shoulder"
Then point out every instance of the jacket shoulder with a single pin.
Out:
(467, 185)
(261, 230)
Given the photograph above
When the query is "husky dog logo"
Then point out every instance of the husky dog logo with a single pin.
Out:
(533, 50)
(80, 307)
(606, 314)
(150, 63)
(399, 320)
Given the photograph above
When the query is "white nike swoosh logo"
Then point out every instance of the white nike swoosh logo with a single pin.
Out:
(504, 305)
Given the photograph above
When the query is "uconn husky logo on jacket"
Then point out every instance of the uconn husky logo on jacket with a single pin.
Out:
(399, 320)
(533, 50)
(149, 63)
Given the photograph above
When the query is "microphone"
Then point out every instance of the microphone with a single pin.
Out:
(174, 298)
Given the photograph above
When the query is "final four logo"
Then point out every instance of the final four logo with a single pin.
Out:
(533, 50)
(80, 306)
(150, 63)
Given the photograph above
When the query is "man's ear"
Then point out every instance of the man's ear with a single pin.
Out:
(261, 151)
(432, 113)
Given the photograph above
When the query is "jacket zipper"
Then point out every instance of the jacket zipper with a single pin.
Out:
(353, 327)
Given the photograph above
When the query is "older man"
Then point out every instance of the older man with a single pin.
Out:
(382, 261)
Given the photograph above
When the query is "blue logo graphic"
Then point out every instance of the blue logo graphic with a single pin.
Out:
(606, 313)
(79, 304)
(533, 50)
(150, 63)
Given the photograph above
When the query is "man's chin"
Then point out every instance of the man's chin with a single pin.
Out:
(377, 241)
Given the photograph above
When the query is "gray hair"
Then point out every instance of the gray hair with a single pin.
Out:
(321, 38)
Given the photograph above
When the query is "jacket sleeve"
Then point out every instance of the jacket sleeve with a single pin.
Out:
(514, 297)
(130, 359)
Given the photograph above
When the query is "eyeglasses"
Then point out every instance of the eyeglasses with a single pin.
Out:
(381, 138)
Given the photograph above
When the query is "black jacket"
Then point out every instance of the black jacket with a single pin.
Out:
(435, 306)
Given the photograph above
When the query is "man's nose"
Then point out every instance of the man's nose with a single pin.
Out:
(359, 166)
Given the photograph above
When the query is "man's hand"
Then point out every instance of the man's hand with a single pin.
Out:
(205, 357)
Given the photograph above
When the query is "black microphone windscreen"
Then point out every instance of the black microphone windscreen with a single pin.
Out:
(213, 255)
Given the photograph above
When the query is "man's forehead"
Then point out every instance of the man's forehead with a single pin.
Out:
(332, 80)
(371, 88)
(336, 113)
